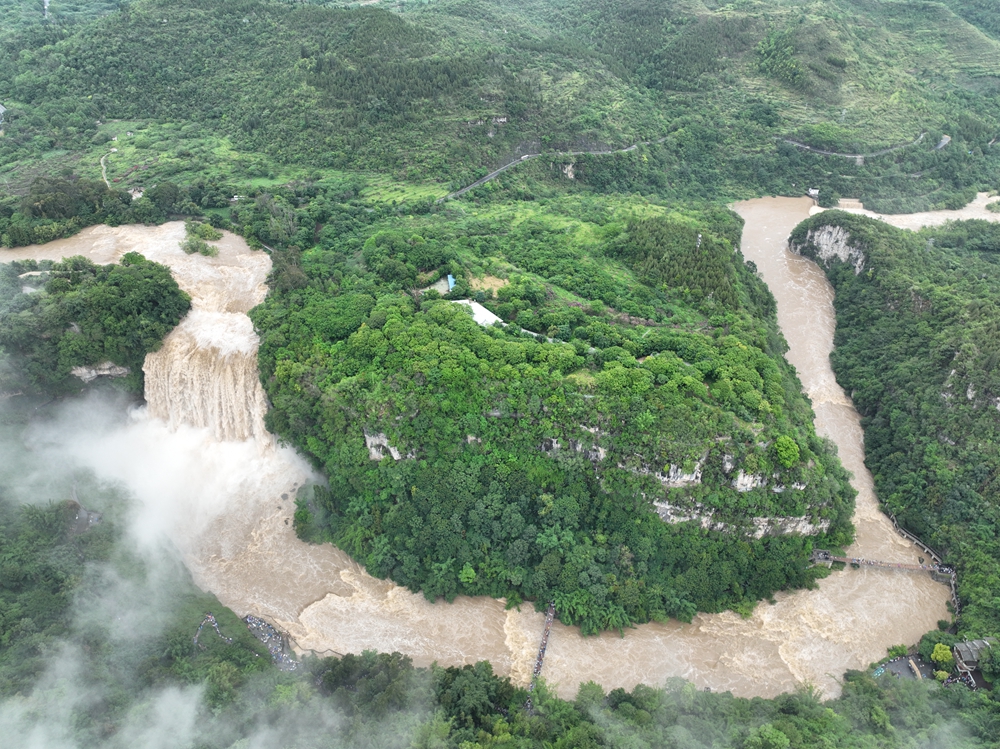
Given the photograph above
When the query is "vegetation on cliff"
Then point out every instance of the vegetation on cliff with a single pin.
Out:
(81, 316)
(918, 331)
(637, 373)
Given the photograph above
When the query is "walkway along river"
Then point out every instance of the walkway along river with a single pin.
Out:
(206, 472)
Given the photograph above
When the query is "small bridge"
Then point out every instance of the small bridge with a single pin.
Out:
(821, 556)
(550, 616)
(943, 573)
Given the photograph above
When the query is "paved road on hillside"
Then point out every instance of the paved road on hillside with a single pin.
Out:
(530, 156)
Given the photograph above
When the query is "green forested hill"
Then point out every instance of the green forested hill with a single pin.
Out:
(639, 377)
(918, 346)
(442, 92)
(29, 16)
(980, 13)
(331, 88)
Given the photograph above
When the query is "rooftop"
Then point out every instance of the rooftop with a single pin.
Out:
(972, 650)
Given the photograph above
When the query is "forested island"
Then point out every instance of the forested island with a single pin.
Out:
(567, 386)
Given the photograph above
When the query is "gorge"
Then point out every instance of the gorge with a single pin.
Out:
(202, 465)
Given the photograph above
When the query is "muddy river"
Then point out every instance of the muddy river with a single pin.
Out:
(209, 477)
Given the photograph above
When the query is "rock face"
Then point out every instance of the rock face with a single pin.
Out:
(786, 526)
(673, 477)
(378, 446)
(830, 242)
(758, 526)
(744, 482)
(104, 369)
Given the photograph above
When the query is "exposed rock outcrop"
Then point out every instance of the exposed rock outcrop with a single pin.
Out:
(758, 528)
(378, 447)
(593, 453)
(828, 242)
(744, 482)
(104, 369)
(674, 477)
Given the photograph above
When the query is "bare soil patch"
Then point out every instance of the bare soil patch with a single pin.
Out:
(487, 282)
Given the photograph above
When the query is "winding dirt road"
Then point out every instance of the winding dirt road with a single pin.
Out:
(104, 169)
(820, 151)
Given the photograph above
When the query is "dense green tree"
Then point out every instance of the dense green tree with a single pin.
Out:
(531, 459)
(85, 315)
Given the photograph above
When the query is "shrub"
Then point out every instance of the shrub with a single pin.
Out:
(191, 245)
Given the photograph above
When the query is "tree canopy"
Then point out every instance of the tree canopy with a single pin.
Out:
(586, 450)
(83, 315)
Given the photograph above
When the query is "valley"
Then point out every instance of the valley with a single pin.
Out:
(354, 357)
(231, 528)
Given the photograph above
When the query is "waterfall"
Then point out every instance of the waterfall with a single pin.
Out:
(205, 375)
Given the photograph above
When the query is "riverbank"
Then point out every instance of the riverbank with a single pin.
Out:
(913, 221)
(225, 498)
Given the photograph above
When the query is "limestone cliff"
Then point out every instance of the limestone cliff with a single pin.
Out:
(825, 243)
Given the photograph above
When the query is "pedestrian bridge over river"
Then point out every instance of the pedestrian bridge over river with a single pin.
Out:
(820, 556)
(943, 573)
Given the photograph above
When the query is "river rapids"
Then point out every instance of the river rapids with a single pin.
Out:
(207, 474)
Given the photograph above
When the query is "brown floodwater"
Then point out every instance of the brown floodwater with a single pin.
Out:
(976, 209)
(208, 475)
